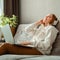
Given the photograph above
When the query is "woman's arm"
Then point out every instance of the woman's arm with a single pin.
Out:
(32, 26)
(26, 43)
(39, 22)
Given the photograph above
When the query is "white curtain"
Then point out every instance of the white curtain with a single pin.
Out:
(1, 7)
(1, 12)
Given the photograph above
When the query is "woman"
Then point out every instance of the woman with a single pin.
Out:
(42, 40)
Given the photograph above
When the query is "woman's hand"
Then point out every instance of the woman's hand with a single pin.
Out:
(25, 43)
(39, 22)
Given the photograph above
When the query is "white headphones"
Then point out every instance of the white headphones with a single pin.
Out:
(55, 22)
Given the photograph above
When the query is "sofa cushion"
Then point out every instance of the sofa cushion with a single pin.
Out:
(56, 45)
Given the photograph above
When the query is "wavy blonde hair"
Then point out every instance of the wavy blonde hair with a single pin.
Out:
(54, 18)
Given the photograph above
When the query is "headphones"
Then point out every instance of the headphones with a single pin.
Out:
(55, 22)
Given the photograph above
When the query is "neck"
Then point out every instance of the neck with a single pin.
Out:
(46, 24)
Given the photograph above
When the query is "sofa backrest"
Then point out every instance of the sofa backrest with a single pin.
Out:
(56, 45)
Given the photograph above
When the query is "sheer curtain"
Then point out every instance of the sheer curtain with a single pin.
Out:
(1, 7)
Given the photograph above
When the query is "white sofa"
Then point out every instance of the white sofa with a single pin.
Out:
(55, 55)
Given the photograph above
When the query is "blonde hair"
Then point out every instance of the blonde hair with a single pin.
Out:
(54, 18)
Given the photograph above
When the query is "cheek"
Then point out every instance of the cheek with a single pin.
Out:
(44, 20)
(47, 21)
(50, 21)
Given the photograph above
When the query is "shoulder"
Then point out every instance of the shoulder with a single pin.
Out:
(52, 28)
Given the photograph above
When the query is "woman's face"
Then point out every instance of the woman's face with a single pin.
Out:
(49, 18)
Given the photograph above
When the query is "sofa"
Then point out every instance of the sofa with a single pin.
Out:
(28, 57)
(54, 55)
(21, 36)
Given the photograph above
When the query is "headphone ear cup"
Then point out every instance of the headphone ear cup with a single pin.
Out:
(55, 22)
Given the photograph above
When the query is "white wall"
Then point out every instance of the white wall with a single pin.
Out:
(1, 7)
(33, 10)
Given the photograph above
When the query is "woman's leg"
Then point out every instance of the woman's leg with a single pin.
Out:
(3, 49)
(13, 49)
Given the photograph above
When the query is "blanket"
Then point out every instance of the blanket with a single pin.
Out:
(29, 57)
